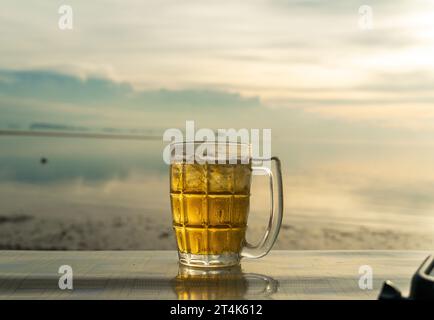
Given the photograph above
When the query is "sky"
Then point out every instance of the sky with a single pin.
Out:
(351, 108)
(278, 64)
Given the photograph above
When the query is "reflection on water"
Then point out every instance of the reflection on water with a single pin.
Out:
(222, 283)
(103, 194)
(76, 159)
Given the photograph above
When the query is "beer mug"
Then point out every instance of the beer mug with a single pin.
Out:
(210, 200)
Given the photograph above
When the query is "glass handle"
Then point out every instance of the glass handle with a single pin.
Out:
(276, 214)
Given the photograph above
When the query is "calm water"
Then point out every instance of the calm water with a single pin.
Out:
(331, 190)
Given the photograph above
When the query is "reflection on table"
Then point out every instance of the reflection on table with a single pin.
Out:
(225, 283)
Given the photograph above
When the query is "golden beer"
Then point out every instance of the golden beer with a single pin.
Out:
(210, 205)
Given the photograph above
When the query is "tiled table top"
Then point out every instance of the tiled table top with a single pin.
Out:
(157, 275)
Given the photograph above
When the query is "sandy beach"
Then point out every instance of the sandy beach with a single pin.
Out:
(137, 232)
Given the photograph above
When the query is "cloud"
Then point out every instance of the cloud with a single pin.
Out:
(414, 81)
(400, 100)
(53, 86)
(50, 97)
(387, 100)
(395, 38)
(156, 44)
(56, 87)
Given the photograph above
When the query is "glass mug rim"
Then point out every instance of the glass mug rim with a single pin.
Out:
(209, 142)
(232, 150)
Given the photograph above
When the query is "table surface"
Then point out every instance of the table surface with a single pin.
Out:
(157, 275)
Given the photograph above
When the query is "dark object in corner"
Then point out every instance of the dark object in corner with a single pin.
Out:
(44, 160)
(422, 284)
